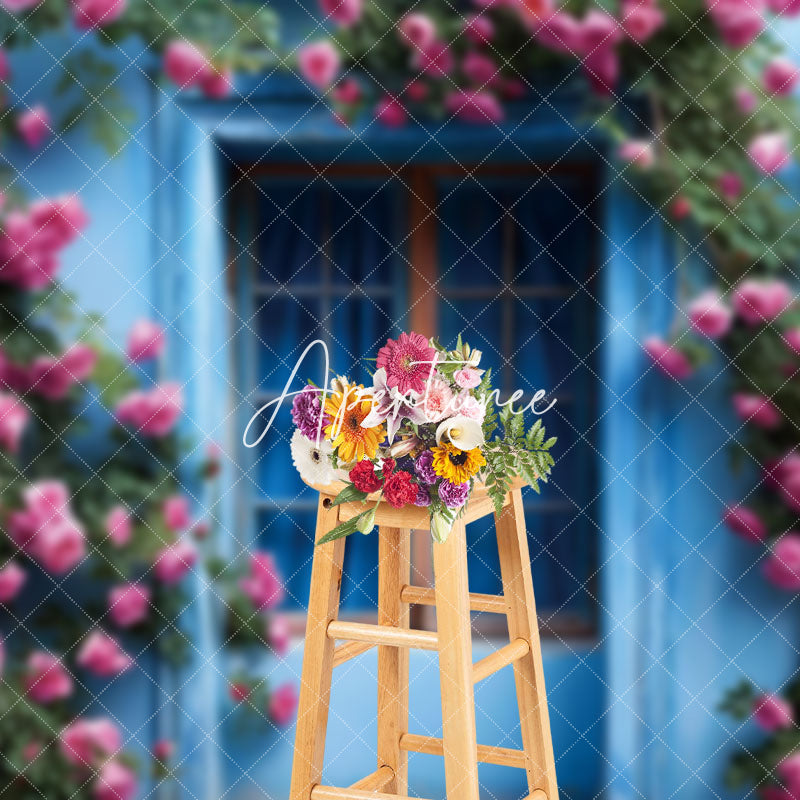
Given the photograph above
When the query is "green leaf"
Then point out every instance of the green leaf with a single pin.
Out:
(348, 495)
(344, 528)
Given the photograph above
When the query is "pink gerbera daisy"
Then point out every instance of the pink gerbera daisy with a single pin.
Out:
(407, 361)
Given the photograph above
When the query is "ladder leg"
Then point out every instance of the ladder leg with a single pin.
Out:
(315, 683)
(455, 666)
(394, 572)
(515, 568)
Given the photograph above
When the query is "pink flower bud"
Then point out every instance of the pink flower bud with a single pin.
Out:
(88, 14)
(184, 63)
(174, 561)
(33, 125)
(757, 410)
(745, 99)
(319, 63)
(681, 207)
(782, 569)
(745, 522)
(176, 513)
(390, 112)
(772, 712)
(641, 19)
(344, 12)
(761, 301)
(128, 604)
(115, 781)
(14, 419)
(12, 579)
(730, 186)
(102, 655)
(118, 526)
(769, 152)
(639, 152)
(709, 315)
(45, 678)
(145, 340)
(668, 358)
(780, 76)
(417, 30)
(479, 29)
(283, 704)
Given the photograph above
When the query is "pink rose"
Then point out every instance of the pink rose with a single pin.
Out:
(33, 125)
(782, 567)
(417, 30)
(118, 526)
(15, 6)
(769, 152)
(598, 31)
(601, 68)
(184, 63)
(283, 704)
(216, 83)
(772, 712)
(738, 21)
(478, 68)
(58, 221)
(145, 341)
(562, 33)
(435, 59)
(476, 107)
(730, 186)
(756, 409)
(709, 315)
(789, 770)
(668, 358)
(787, 8)
(279, 633)
(45, 679)
(59, 545)
(780, 76)
(319, 63)
(788, 480)
(152, 413)
(417, 91)
(88, 741)
(12, 579)
(390, 112)
(641, 19)
(26, 259)
(14, 418)
(163, 750)
(88, 14)
(263, 584)
(128, 604)
(639, 152)
(792, 339)
(745, 522)
(115, 781)
(681, 207)
(467, 377)
(102, 655)
(745, 99)
(470, 407)
(345, 12)
(479, 29)
(347, 92)
(760, 301)
(46, 529)
(174, 561)
(176, 513)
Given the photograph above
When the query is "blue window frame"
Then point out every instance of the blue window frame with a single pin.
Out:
(329, 257)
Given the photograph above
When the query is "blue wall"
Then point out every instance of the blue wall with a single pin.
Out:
(682, 607)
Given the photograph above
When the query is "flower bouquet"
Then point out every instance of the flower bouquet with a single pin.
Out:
(424, 434)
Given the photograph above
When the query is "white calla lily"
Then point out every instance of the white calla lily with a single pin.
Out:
(462, 432)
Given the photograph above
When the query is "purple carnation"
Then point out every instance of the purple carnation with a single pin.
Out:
(307, 410)
(423, 498)
(454, 495)
(423, 466)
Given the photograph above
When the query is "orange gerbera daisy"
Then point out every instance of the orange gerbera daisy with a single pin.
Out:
(347, 410)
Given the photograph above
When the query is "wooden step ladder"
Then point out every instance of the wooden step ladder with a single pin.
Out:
(452, 640)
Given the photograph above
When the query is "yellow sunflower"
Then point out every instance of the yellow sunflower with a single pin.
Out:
(346, 410)
(457, 466)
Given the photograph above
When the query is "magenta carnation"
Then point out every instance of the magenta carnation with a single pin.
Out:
(423, 466)
(453, 495)
(306, 412)
(408, 362)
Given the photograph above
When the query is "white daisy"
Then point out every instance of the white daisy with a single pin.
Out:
(312, 462)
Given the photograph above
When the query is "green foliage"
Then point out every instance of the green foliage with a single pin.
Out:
(519, 453)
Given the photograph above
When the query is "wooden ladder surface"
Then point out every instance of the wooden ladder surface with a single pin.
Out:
(452, 640)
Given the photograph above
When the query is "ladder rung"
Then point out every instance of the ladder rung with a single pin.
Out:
(375, 781)
(383, 634)
(419, 595)
(537, 794)
(344, 652)
(487, 754)
(512, 652)
(332, 793)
